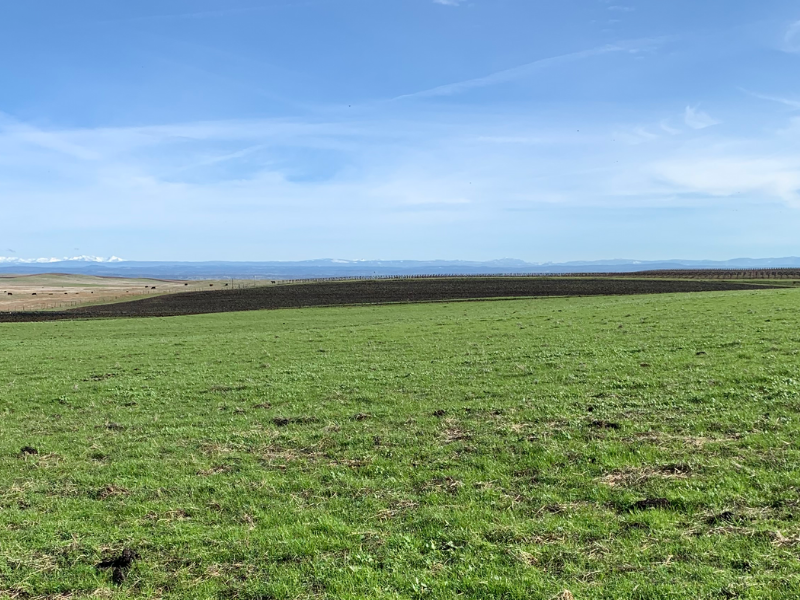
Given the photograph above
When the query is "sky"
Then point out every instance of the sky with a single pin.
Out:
(400, 129)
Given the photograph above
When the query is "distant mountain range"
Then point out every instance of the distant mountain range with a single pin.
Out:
(306, 269)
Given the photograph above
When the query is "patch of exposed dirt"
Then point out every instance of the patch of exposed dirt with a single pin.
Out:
(301, 420)
(648, 503)
(443, 484)
(215, 470)
(635, 476)
(110, 491)
(601, 424)
(119, 565)
(453, 432)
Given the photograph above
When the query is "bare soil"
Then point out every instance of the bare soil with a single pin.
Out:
(339, 293)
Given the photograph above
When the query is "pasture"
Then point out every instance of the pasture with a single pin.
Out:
(635, 447)
(61, 291)
(58, 290)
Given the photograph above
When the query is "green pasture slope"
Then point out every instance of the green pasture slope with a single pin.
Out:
(628, 447)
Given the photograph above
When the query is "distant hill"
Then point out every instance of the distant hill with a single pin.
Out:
(350, 268)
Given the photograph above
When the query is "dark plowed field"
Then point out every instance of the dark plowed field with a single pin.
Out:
(373, 292)
(708, 274)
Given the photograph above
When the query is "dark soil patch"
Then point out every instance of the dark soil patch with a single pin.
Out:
(725, 274)
(725, 516)
(28, 451)
(676, 469)
(600, 424)
(119, 565)
(361, 417)
(648, 503)
(283, 421)
(337, 293)
(100, 377)
(224, 389)
(439, 413)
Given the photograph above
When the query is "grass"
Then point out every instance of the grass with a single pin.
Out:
(630, 447)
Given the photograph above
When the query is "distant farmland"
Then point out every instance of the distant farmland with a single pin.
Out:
(380, 291)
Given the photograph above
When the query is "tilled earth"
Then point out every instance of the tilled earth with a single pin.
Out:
(781, 274)
(340, 293)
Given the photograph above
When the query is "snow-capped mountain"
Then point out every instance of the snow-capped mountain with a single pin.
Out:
(84, 258)
(307, 269)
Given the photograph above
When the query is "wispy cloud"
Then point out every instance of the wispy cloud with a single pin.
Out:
(214, 160)
(395, 176)
(779, 99)
(697, 119)
(621, 8)
(525, 70)
(448, 2)
(665, 126)
(29, 134)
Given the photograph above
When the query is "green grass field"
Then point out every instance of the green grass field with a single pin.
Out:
(629, 447)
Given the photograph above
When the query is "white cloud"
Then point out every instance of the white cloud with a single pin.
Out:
(791, 40)
(621, 8)
(731, 175)
(174, 184)
(697, 119)
(448, 2)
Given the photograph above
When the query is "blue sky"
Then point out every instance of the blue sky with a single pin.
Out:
(418, 129)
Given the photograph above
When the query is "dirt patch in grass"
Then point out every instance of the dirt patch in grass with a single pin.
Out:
(301, 420)
(110, 491)
(119, 564)
(638, 475)
(657, 503)
(216, 470)
(446, 484)
(100, 377)
(601, 424)
(453, 432)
